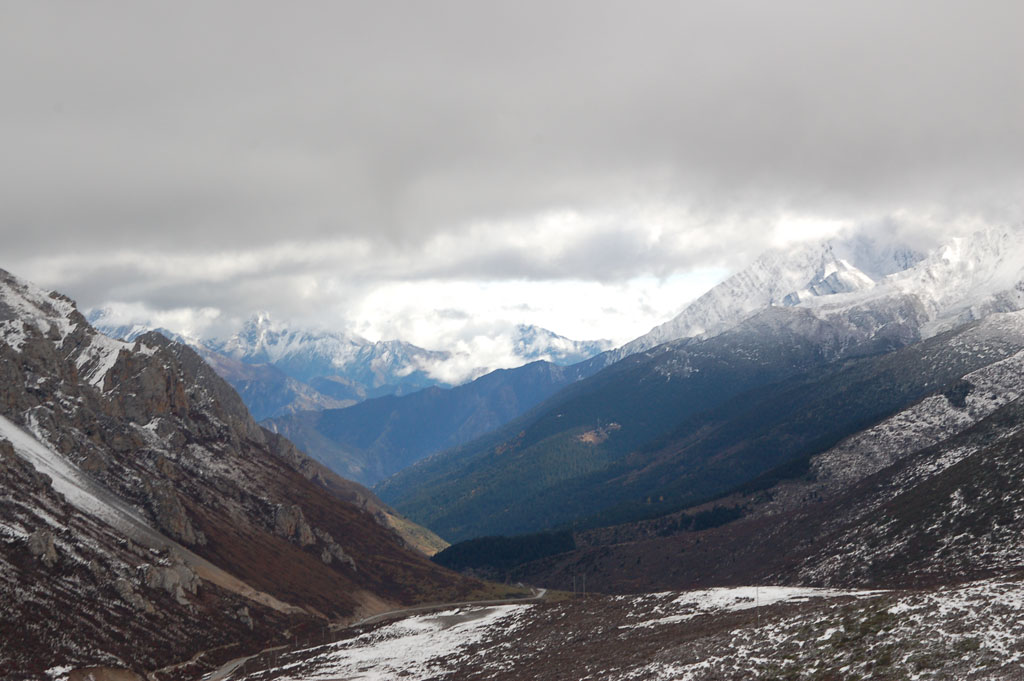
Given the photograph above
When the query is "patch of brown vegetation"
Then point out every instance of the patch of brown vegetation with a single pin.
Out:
(598, 435)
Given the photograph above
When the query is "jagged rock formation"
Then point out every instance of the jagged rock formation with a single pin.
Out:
(291, 524)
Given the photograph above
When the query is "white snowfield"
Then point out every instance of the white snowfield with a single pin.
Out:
(414, 649)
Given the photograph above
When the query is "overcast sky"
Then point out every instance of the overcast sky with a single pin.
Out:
(435, 170)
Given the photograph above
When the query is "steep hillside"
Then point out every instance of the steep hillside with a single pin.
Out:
(377, 438)
(927, 496)
(151, 496)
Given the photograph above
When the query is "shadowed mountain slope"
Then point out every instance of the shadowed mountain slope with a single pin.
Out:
(377, 438)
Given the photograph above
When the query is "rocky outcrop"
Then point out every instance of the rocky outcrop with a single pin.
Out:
(245, 617)
(177, 579)
(332, 551)
(291, 524)
(126, 590)
(41, 546)
(20, 471)
(170, 514)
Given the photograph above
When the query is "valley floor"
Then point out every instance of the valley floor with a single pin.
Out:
(974, 631)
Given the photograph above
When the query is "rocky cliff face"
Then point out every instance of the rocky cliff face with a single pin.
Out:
(141, 499)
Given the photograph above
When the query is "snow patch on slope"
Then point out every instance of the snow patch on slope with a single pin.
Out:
(98, 357)
(691, 604)
(930, 421)
(415, 649)
(76, 487)
(14, 333)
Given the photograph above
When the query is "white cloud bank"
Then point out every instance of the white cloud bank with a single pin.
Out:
(587, 167)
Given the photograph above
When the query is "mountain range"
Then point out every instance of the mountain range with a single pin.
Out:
(784, 276)
(278, 369)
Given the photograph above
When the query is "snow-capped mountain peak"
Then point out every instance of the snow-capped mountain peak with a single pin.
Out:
(263, 340)
(968, 278)
(964, 279)
(788, 276)
(835, 276)
(533, 343)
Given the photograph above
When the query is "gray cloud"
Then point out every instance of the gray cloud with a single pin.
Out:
(230, 128)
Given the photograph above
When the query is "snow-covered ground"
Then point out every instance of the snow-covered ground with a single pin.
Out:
(444, 644)
(968, 632)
